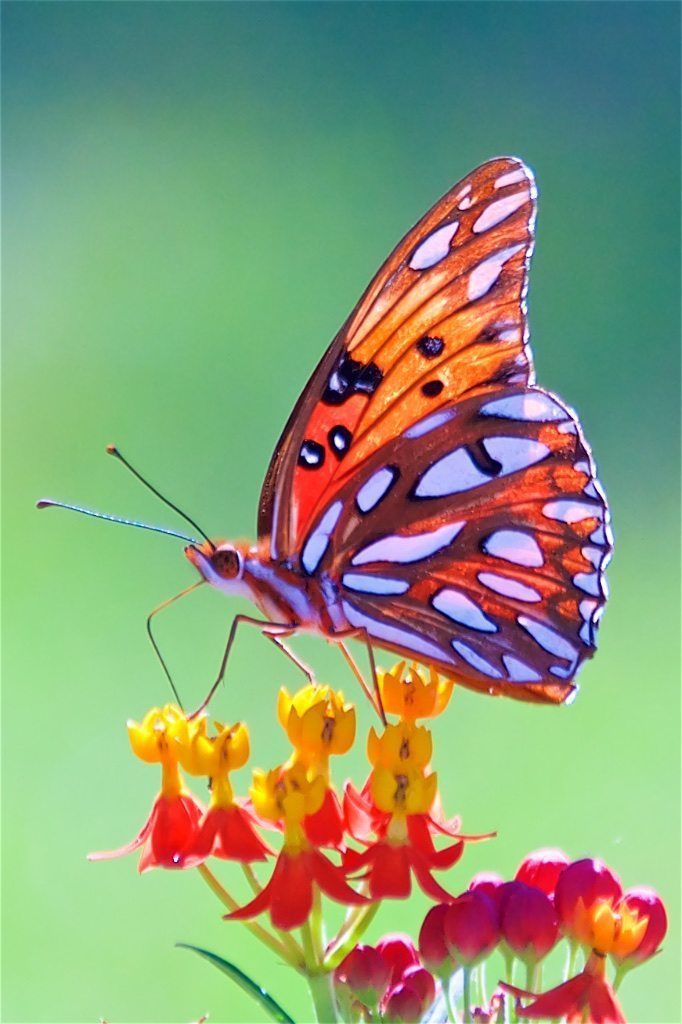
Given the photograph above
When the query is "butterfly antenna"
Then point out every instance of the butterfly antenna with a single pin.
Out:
(50, 503)
(113, 450)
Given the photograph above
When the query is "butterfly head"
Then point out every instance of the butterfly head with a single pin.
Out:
(220, 564)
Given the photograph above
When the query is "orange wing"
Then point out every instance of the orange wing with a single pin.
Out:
(444, 318)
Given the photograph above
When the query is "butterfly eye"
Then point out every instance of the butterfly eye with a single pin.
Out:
(227, 563)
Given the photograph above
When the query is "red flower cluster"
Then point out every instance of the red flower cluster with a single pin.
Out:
(387, 980)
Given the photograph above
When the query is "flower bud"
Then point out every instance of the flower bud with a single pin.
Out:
(529, 923)
(542, 869)
(423, 982)
(398, 951)
(433, 949)
(365, 972)
(581, 887)
(489, 883)
(642, 903)
(404, 1005)
(471, 927)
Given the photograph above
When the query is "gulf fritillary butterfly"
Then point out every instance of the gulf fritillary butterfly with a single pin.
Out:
(424, 494)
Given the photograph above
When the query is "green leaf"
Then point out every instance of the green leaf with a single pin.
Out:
(247, 984)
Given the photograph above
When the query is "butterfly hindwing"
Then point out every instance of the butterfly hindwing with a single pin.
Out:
(476, 540)
(443, 318)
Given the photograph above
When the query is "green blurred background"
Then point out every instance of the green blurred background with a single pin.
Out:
(194, 197)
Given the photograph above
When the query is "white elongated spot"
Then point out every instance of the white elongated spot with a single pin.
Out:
(529, 406)
(511, 178)
(509, 588)
(587, 581)
(465, 203)
(429, 423)
(511, 334)
(563, 672)
(514, 546)
(374, 584)
(484, 276)
(457, 606)
(376, 488)
(452, 473)
(593, 555)
(464, 192)
(395, 548)
(582, 467)
(548, 638)
(568, 428)
(316, 544)
(457, 471)
(515, 452)
(598, 536)
(568, 511)
(475, 660)
(590, 490)
(499, 211)
(518, 671)
(405, 638)
(586, 608)
(434, 248)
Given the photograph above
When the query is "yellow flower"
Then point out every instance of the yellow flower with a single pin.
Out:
(400, 746)
(403, 792)
(215, 756)
(286, 796)
(318, 722)
(608, 929)
(158, 739)
(409, 694)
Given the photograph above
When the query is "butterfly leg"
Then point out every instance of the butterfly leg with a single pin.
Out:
(374, 698)
(277, 640)
(150, 634)
(272, 630)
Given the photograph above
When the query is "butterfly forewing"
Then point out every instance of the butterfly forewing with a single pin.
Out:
(444, 317)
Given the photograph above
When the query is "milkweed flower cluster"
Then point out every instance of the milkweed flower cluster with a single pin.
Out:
(361, 846)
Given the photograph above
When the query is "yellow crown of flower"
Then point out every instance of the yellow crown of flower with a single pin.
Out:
(408, 693)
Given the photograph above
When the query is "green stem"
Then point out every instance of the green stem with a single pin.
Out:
(256, 929)
(572, 961)
(510, 964)
(349, 937)
(322, 992)
(449, 1005)
(621, 971)
(466, 974)
(317, 927)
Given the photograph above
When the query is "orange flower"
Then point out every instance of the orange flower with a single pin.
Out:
(410, 695)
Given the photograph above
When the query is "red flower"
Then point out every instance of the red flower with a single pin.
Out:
(397, 950)
(366, 973)
(433, 949)
(226, 832)
(581, 886)
(165, 836)
(418, 978)
(643, 903)
(587, 996)
(528, 922)
(403, 848)
(490, 883)
(542, 869)
(471, 927)
(403, 1005)
(326, 826)
(288, 896)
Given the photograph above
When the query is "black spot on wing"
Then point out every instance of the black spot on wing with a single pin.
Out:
(432, 388)
(351, 377)
(339, 438)
(311, 455)
(429, 347)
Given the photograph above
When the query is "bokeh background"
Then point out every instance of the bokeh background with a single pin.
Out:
(194, 197)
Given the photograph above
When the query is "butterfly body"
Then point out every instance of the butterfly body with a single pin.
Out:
(425, 494)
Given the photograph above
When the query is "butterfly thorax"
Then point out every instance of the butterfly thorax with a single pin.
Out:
(281, 593)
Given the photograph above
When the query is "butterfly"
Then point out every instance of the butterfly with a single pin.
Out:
(425, 496)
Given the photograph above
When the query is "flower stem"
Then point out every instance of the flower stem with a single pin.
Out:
(322, 992)
(349, 935)
(466, 992)
(449, 1005)
(256, 929)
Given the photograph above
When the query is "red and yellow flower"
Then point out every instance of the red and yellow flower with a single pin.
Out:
(174, 818)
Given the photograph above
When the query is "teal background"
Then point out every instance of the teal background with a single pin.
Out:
(194, 197)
